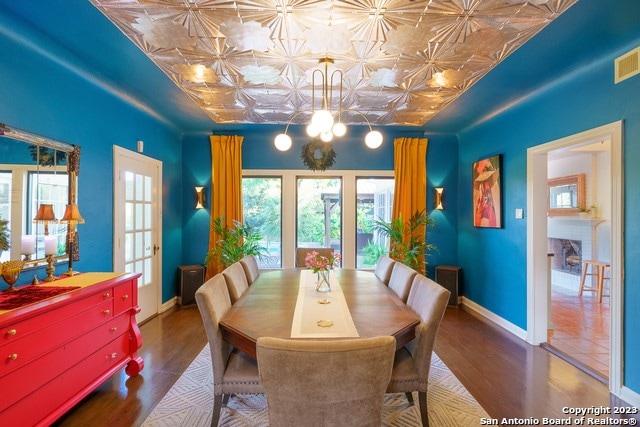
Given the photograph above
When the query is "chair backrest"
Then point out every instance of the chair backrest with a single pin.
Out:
(384, 266)
(236, 281)
(251, 269)
(213, 302)
(429, 300)
(401, 280)
(321, 383)
(301, 253)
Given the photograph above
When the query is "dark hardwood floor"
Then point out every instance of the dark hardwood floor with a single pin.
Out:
(507, 376)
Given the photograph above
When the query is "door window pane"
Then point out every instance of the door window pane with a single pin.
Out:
(319, 213)
(262, 209)
(374, 202)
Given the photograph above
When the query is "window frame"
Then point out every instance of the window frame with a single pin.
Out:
(289, 210)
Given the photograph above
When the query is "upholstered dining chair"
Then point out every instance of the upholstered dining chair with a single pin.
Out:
(412, 362)
(236, 280)
(401, 279)
(251, 269)
(301, 253)
(383, 269)
(233, 371)
(325, 383)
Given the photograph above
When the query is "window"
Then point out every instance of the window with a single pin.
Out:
(5, 206)
(20, 184)
(319, 213)
(316, 209)
(374, 200)
(51, 188)
(262, 209)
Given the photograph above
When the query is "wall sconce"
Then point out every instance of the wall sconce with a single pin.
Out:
(200, 196)
(437, 193)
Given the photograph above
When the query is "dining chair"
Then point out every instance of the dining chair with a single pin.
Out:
(383, 269)
(301, 253)
(251, 269)
(412, 362)
(325, 383)
(236, 280)
(401, 279)
(233, 371)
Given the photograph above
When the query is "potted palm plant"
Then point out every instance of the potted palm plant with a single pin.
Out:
(407, 239)
(234, 243)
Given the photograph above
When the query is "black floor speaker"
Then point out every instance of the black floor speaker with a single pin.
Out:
(449, 277)
(191, 278)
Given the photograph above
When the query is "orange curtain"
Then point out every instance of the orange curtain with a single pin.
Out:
(410, 170)
(226, 191)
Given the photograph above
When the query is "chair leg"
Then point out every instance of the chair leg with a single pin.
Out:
(585, 266)
(217, 406)
(424, 415)
(409, 397)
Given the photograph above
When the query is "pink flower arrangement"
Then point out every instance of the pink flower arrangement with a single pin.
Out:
(318, 262)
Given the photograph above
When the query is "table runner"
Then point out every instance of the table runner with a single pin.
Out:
(309, 312)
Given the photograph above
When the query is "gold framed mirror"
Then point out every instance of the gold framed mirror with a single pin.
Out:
(566, 195)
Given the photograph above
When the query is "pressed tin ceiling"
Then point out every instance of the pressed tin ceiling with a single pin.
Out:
(402, 61)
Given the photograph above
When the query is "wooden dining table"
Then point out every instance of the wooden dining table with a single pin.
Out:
(267, 309)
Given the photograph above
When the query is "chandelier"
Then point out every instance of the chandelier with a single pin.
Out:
(325, 123)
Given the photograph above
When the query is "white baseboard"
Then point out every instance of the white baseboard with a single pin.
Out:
(630, 396)
(169, 304)
(505, 324)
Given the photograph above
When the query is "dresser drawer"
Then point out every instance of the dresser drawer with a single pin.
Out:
(65, 389)
(62, 359)
(20, 352)
(30, 325)
(123, 297)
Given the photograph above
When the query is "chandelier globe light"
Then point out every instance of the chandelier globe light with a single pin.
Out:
(324, 123)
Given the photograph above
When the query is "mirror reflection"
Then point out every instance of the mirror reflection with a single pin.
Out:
(34, 191)
(563, 196)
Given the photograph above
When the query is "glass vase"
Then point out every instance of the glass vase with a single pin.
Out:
(323, 284)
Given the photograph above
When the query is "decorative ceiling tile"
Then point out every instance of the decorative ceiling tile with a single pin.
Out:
(402, 61)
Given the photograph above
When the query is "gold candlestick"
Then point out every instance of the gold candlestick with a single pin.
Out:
(50, 277)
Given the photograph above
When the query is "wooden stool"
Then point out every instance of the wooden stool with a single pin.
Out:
(597, 270)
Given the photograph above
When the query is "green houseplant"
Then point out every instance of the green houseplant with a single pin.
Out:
(234, 242)
(407, 242)
(4, 235)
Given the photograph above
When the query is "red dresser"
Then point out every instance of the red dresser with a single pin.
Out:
(55, 352)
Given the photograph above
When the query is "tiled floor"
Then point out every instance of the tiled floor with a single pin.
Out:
(581, 327)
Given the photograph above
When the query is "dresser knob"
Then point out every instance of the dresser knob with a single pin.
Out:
(12, 332)
(114, 329)
(13, 356)
(125, 296)
(106, 295)
(106, 312)
(113, 355)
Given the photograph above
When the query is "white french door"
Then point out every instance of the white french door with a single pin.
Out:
(137, 225)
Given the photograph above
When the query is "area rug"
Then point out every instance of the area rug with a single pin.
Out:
(190, 402)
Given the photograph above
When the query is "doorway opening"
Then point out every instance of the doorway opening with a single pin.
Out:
(553, 285)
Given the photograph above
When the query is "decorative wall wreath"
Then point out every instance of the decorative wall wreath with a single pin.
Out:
(317, 155)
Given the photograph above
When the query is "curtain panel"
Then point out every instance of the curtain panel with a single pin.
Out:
(226, 188)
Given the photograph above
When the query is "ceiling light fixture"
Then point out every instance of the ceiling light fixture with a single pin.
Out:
(323, 123)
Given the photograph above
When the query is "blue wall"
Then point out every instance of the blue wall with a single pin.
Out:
(494, 260)
(40, 92)
(258, 152)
